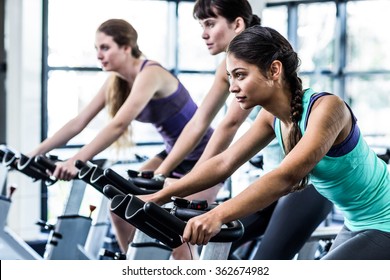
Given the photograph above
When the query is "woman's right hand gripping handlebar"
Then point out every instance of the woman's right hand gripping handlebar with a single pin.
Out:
(65, 170)
(200, 229)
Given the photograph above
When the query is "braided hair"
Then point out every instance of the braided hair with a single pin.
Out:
(261, 46)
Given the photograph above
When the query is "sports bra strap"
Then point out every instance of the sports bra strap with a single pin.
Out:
(144, 64)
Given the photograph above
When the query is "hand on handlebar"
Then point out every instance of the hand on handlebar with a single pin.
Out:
(199, 230)
(169, 181)
(159, 177)
(65, 170)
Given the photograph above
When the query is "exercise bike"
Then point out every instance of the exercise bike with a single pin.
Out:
(90, 236)
(146, 244)
(70, 232)
(164, 226)
(11, 245)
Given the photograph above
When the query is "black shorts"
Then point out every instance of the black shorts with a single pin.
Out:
(182, 169)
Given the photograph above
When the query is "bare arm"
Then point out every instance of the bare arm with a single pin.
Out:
(220, 167)
(329, 122)
(225, 131)
(197, 126)
(74, 126)
(147, 83)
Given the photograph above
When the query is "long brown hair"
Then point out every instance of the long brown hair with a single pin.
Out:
(261, 46)
(123, 34)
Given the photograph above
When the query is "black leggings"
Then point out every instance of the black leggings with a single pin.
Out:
(360, 245)
(285, 225)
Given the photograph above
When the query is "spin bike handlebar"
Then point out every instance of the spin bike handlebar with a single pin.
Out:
(91, 174)
(85, 171)
(26, 165)
(386, 156)
(125, 186)
(2, 154)
(45, 162)
(144, 179)
(30, 167)
(159, 223)
(98, 177)
(9, 158)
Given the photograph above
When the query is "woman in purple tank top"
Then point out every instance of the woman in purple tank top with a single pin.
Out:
(137, 89)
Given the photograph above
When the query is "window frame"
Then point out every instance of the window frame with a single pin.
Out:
(339, 74)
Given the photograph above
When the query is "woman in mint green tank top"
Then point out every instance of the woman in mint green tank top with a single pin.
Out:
(320, 138)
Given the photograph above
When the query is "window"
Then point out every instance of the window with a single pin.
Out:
(277, 18)
(342, 44)
(167, 32)
(72, 67)
(368, 67)
(342, 52)
(72, 70)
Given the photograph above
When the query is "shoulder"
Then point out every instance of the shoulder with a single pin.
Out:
(150, 64)
(330, 113)
(155, 78)
(329, 105)
(152, 70)
(266, 117)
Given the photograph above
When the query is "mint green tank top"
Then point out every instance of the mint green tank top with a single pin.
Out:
(352, 177)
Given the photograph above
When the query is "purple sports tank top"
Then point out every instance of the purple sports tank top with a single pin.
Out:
(170, 115)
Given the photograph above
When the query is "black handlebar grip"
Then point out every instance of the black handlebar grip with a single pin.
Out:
(111, 191)
(45, 162)
(161, 215)
(80, 164)
(124, 185)
(29, 167)
(85, 173)
(148, 183)
(98, 180)
(163, 228)
(386, 156)
(10, 159)
(187, 213)
(132, 173)
(2, 154)
(232, 232)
